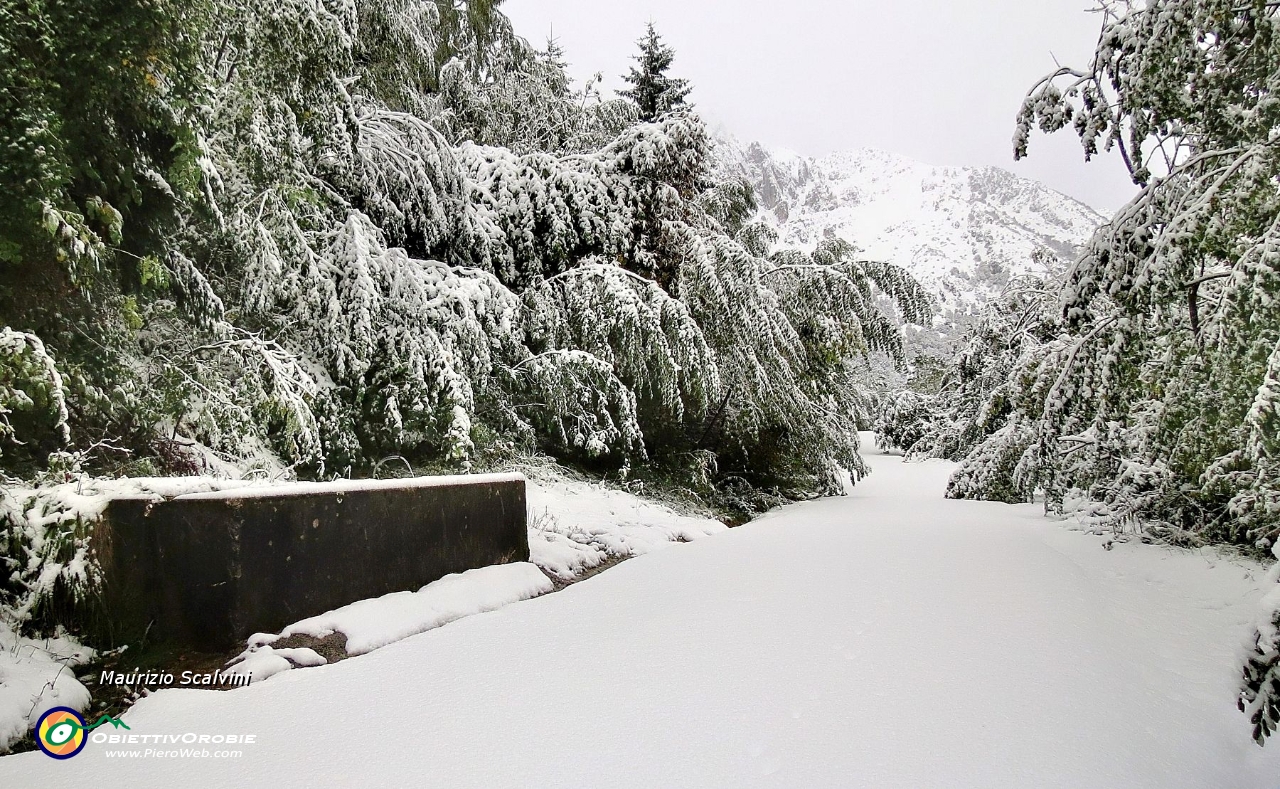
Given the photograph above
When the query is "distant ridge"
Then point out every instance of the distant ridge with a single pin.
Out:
(963, 231)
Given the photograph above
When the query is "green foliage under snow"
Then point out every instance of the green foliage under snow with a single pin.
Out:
(310, 235)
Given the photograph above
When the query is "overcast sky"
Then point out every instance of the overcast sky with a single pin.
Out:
(936, 80)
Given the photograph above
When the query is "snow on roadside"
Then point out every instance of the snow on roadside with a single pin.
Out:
(35, 676)
(87, 499)
(260, 662)
(374, 623)
(575, 526)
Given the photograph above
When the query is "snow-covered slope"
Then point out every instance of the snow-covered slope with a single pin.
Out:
(961, 230)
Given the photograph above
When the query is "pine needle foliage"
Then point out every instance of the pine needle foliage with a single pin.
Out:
(653, 91)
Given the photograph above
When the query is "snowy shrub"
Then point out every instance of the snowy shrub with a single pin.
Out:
(241, 393)
(1260, 697)
(790, 333)
(31, 391)
(35, 558)
(997, 469)
(986, 412)
(46, 560)
(650, 340)
(908, 421)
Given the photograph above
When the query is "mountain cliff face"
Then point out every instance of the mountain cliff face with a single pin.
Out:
(963, 231)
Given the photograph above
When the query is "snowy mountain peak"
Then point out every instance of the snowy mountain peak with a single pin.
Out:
(963, 231)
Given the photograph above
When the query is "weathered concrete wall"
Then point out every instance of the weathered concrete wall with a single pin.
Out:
(208, 570)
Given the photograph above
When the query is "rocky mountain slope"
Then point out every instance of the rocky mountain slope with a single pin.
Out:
(963, 231)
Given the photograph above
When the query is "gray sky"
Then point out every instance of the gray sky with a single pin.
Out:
(936, 80)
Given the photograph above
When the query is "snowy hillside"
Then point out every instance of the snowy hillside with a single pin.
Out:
(961, 230)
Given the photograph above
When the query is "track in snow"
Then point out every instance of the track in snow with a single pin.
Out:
(888, 639)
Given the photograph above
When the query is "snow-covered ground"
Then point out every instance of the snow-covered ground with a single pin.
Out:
(371, 624)
(37, 675)
(575, 526)
(888, 639)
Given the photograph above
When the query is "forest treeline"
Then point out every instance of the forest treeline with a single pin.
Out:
(328, 232)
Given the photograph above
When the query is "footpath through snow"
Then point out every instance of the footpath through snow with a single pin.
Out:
(889, 639)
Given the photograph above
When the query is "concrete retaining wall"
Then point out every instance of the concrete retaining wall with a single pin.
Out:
(208, 570)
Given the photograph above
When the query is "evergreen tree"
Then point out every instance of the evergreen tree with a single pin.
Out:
(98, 154)
(330, 243)
(980, 387)
(653, 92)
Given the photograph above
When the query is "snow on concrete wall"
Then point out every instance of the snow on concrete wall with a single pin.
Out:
(208, 570)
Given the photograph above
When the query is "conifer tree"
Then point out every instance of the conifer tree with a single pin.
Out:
(393, 227)
(341, 231)
(652, 90)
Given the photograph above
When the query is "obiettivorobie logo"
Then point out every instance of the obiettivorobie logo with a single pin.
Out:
(62, 733)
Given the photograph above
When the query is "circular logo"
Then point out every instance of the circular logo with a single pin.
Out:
(60, 733)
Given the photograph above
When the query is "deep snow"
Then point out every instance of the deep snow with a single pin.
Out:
(374, 623)
(892, 638)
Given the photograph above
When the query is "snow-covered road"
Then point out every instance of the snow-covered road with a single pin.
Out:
(890, 639)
